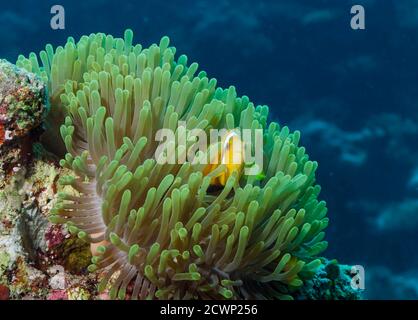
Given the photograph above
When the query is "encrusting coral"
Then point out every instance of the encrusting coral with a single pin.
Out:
(22, 109)
(164, 230)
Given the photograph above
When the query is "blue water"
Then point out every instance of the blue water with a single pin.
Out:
(352, 93)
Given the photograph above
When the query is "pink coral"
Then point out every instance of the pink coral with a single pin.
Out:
(54, 236)
(4, 292)
(58, 295)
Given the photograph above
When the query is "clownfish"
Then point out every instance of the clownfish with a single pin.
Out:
(231, 155)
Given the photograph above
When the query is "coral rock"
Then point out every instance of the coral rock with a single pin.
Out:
(4, 292)
(332, 281)
(58, 295)
(22, 107)
(22, 101)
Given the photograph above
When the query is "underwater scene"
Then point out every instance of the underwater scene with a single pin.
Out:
(181, 150)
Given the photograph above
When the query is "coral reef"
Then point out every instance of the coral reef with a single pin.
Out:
(332, 281)
(163, 230)
(22, 101)
(173, 231)
(30, 247)
(279, 54)
(32, 251)
(22, 106)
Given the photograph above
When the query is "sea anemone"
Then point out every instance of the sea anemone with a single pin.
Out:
(169, 231)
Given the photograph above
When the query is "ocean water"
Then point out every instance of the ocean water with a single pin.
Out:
(353, 94)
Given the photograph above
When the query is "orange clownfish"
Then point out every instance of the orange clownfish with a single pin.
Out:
(232, 156)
